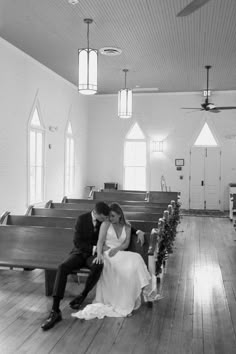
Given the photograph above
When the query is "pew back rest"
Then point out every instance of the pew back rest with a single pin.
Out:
(46, 221)
(87, 207)
(119, 195)
(92, 202)
(42, 247)
(162, 197)
(74, 213)
(30, 246)
(145, 226)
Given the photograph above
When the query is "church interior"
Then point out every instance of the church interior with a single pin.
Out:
(67, 143)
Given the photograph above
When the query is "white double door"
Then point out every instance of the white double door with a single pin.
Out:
(205, 178)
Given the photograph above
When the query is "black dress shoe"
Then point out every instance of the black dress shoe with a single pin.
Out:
(53, 318)
(77, 302)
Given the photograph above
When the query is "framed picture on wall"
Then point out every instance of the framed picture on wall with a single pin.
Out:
(179, 162)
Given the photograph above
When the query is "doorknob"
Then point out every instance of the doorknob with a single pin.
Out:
(202, 183)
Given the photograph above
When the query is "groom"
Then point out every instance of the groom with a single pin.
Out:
(85, 237)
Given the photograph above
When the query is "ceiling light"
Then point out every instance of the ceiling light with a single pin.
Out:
(206, 93)
(88, 60)
(125, 101)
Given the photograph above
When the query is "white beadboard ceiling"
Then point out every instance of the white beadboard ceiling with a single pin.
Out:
(159, 49)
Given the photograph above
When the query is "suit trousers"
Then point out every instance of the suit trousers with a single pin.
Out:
(75, 262)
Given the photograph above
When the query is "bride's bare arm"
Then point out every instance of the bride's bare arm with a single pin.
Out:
(101, 241)
(124, 245)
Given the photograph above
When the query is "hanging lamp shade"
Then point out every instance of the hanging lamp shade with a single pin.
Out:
(87, 73)
(125, 101)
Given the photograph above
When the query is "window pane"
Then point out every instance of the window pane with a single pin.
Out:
(136, 133)
(38, 196)
(36, 166)
(69, 128)
(39, 150)
(71, 152)
(32, 148)
(32, 184)
(67, 151)
(69, 165)
(135, 178)
(135, 154)
(205, 138)
(35, 119)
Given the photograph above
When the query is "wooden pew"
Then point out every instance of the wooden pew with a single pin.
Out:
(92, 202)
(43, 248)
(35, 247)
(73, 213)
(89, 206)
(163, 197)
(145, 226)
(25, 220)
(65, 213)
(67, 222)
(119, 195)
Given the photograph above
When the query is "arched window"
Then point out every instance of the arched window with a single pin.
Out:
(36, 159)
(69, 161)
(135, 156)
(206, 137)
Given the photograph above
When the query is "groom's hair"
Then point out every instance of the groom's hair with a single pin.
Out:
(102, 208)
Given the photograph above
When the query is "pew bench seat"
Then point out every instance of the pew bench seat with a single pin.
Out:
(44, 248)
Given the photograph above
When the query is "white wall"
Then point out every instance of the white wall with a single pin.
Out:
(160, 117)
(99, 133)
(24, 82)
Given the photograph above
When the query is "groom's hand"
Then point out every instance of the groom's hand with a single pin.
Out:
(98, 259)
(140, 237)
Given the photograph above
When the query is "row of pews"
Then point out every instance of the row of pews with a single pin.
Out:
(43, 237)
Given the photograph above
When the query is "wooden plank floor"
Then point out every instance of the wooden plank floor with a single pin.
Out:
(196, 315)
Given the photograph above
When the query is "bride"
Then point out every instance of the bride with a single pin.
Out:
(124, 275)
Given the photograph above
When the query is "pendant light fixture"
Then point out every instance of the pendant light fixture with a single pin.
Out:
(125, 101)
(88, 59)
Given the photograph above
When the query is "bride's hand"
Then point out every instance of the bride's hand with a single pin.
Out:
(113, 252)
(105, 248)
(98, 259)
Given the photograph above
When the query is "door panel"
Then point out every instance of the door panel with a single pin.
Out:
(212, 178)
(205, 178)
(196, 178)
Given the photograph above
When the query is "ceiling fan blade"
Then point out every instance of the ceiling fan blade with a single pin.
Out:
(190, 8)
(225, 108)
(214, 110)
(198, 109)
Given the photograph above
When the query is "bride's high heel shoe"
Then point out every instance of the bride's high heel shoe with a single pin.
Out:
(146, 298)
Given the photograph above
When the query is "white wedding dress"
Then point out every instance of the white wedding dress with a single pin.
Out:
(119, 287)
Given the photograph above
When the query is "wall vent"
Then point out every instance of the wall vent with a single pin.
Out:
(110, 51)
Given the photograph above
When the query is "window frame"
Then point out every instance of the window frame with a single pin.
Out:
(144, 139)
(70, 136)
(35, 129)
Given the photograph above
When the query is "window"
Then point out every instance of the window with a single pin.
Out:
(205, 138)
(36, 159)
(135, 160)
(69, 161)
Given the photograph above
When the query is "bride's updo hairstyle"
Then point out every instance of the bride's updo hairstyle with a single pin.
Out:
(116, 208)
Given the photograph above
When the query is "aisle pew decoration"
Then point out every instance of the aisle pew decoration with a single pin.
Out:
(162, 238)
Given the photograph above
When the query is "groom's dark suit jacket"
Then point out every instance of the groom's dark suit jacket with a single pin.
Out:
(85, 237)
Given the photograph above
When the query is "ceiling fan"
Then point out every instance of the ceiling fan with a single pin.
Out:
(208, 106)
(191, 7)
